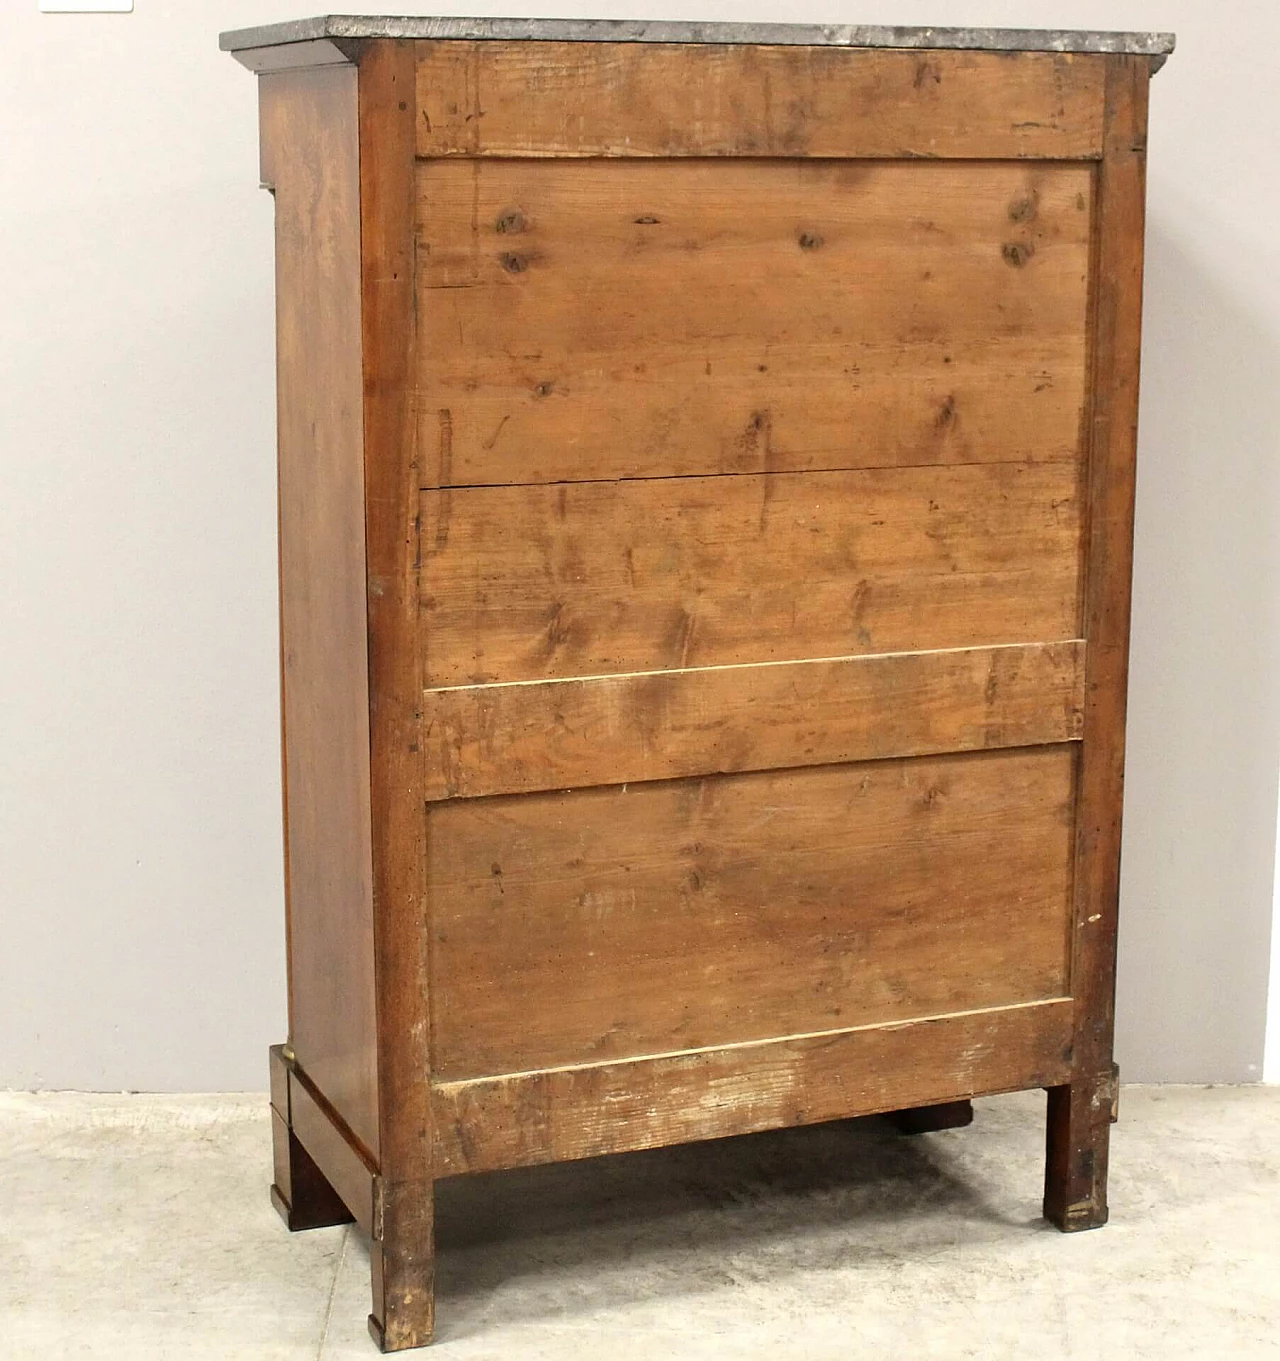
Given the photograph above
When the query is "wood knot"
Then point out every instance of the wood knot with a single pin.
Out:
(1023, 209)
(809, 240)
(647, 221)
(512, 220)
(1017, 253)
(543, 390)
(515, 264)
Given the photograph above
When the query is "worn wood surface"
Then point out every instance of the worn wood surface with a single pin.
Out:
(523, 583)
(626, 920)
(568, 734)
(310, 158)
(610, 319)
(1078, 1133)
(590, 1109)
(619, 99)
(403, 1252)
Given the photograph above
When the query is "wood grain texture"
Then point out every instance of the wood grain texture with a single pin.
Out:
(569, 734)
(624, 319)
(584, 1111)
(627, 99)
(1079, 1124)
(402, 1254)
(585, 579)
(627, 920)
(310, 157)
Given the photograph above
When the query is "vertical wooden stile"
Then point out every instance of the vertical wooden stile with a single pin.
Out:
(402, 1252)
(1080, 1113)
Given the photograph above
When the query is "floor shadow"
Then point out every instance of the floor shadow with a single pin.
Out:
(674, 1221)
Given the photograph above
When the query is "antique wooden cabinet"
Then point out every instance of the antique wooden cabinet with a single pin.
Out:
(706, 499)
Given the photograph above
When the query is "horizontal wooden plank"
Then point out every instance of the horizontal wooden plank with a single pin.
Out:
(588, 579)
(672, 915)
(627, 319)
(498, 98)
(534, 735)
(581, 1112)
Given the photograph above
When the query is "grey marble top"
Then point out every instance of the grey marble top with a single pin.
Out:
(660, 31)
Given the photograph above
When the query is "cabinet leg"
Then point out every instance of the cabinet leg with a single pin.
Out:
(302, 1196)
(1076, 1146)
(927, 1119)
(402, 1265)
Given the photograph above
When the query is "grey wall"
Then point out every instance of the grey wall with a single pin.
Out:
(140, 886)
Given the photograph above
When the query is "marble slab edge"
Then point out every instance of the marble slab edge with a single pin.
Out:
(346, 26)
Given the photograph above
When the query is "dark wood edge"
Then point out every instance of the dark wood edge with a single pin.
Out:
(929, 1119)
(334, 1149)
(1111, 433)
(301, 1194)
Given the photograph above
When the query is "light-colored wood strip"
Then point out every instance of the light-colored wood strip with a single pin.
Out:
(621, 319)
(586, 579)
(678, 914)
(569, 734)
(581, 1112)
(647, 99)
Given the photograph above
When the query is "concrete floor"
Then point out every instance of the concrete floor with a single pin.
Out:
(138, 1227)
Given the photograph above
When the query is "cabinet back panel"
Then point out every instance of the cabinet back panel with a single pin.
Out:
(642, 318)
(602, 923)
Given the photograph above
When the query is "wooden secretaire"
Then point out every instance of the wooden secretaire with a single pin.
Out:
(706, 502)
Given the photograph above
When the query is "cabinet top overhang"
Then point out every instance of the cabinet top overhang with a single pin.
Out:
(341, 27)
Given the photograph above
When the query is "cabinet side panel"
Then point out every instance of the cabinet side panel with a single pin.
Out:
(310, 157)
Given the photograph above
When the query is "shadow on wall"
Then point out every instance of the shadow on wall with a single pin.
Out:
(1204, 707)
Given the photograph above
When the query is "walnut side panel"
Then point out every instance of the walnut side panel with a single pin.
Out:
(627, 920)
(584, 1111)
(596, 578)
(649, 99)
(531, 735)
(629, 318)
(310, 156)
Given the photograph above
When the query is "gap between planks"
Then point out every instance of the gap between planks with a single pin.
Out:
(752, 666)
(742, 472)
